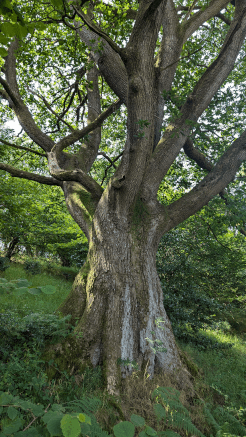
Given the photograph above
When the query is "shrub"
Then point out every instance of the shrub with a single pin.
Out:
(32, 267)
(24, 418)
(4, 263)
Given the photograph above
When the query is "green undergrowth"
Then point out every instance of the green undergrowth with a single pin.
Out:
(78, 405)
(224, 370)
(30, 303)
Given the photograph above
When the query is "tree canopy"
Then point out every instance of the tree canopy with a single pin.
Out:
(52, 51)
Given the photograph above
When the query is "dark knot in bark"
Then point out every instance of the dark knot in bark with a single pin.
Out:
(118, 183)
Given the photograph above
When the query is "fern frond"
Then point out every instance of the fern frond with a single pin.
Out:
(177, 415)
(85, 404)
(211, 420)
(88, 406)
(182, 422)
(234, 425)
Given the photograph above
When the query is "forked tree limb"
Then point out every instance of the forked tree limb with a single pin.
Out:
(78, 134)
(95, 28)
(201, 16)
(177, 133)
(211, 185)
(175, 34)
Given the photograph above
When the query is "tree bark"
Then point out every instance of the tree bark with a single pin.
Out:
(12, 245)
(117, 297)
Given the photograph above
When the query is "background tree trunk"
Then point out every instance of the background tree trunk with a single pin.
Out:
(12, 245)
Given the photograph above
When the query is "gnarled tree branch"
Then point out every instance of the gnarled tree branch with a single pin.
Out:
(168, 148)
(78, 134)
(95, 28)
(109, 62)
(211, 185)
(17, 173)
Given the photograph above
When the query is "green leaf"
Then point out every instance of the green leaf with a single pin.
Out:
(21, 31)
(54, 426)
(3, 39)
(70, 426)
(124, 429)
(2, 280)
(5, 398)
(39, 26)
(84, 418)
(12, 412)
(150, 431)
(25, 405)
(48, 289)
(159, 411)
(56, 407)
(20, 291)
(34, 291)
(6, 4)
(57, 3)
(137, 420)
(11, 426)
(20, 283)
(7, 287)
(143, 434)
(3, 52)
(38, 410)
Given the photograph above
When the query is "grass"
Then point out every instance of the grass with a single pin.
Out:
(224, 369)
(220, 382)
(29, 303)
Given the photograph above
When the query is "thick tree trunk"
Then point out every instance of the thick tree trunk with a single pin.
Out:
(117, 298)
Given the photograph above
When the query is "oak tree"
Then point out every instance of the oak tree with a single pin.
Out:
(145, 74)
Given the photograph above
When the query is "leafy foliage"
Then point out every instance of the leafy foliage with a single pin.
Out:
(202, 274)
(21, 286)
(4, 263)
(38, 217)
(32, 267)
(55, 422)
(223, 422)
(80, 419)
